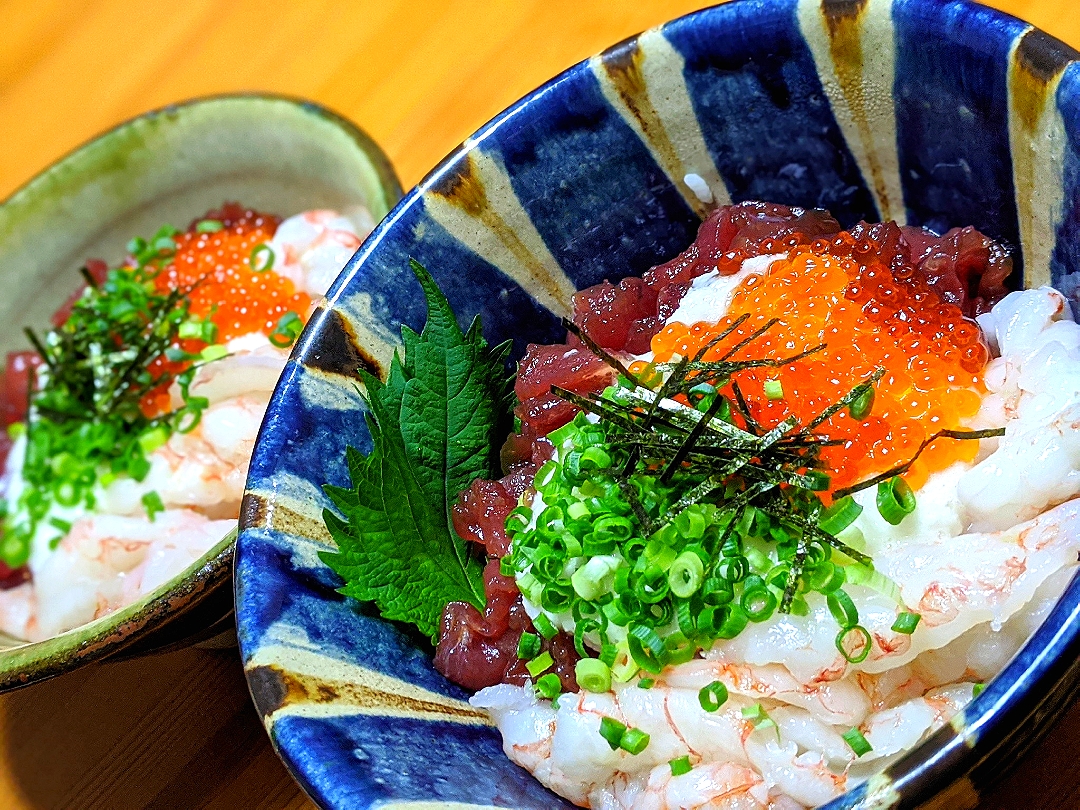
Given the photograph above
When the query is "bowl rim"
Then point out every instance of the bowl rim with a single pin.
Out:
(1043, 678)
(388, 179)
(131, 629)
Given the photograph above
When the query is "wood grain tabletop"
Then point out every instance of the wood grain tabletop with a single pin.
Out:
(178, 730)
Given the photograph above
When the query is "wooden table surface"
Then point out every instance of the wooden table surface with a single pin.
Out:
(178, 730)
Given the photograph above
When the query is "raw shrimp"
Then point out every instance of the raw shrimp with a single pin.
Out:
(312, 247)
(107, 561)
(955, 582)
(801, 761)
(206, 468)
(1035, 385)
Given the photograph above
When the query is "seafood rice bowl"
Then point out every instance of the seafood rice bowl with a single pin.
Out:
(772, 515)
(773, 505)
(129, 424)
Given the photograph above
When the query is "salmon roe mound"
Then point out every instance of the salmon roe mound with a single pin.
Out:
(223, 287)
(840, 292)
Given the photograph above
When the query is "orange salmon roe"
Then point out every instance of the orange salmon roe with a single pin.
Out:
(837, 293)
(216, 268)
(235, 297)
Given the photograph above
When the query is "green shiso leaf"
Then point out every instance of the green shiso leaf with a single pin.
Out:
(436, 425)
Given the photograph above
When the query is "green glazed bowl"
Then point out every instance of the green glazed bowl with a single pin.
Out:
(171, 165)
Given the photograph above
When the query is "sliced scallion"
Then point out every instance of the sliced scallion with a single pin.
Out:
(906, 623)
(680, 766)
(549, 686)
(895, 500)
(528, 646)
(544, 626)
(634, 741)
(713, 696)
(854, 643)
(593, 675)
(857, 742)
(541, 663)
(612, 731)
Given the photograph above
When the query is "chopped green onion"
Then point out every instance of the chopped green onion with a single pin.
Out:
(759, 603)
(842, 608)
(624, 667)
(680, 766)
(634, 741)
(541, 663)
(713, 696)
(863, 404)
(612, 731)
(262, 258)
(839, 516)
(977, 689)
(646, 683)
(906, 623)
(760, 719)
(686, 574)
(528, 646)
(593, 675)
(735, 621)
(151, 501)
(702, 396)
(774, 389)
(62, 525)
(595, 458)
(595, 578)
(875, 580)
(854, 643)
(895, 500)
(153, 439)
(646, 647)
(825, 577)
(197, 330)
(549, 686)
(858, 743)
(288, 329)
(213, 352)
(544, 626)
(690, 523)
(209, 226)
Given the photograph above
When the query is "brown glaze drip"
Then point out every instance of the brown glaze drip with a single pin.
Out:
(465, 190)
(1038, 62)
(256, 512)
(274, 688)
(1040, 59)
(623, 65)
(333, 348)
(844, 22)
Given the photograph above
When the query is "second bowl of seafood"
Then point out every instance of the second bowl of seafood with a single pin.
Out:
(155, 280)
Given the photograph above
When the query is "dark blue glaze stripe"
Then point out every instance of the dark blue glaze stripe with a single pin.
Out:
(763, 112)
(363, 761)
(952, 62)
(470, 283)
(582, 174)
(1065, 260)
(341, 628)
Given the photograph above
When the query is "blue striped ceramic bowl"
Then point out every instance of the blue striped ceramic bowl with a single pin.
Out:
(931, 112)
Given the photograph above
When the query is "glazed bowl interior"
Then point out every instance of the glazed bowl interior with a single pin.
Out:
(169, 166)
(928, 112)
